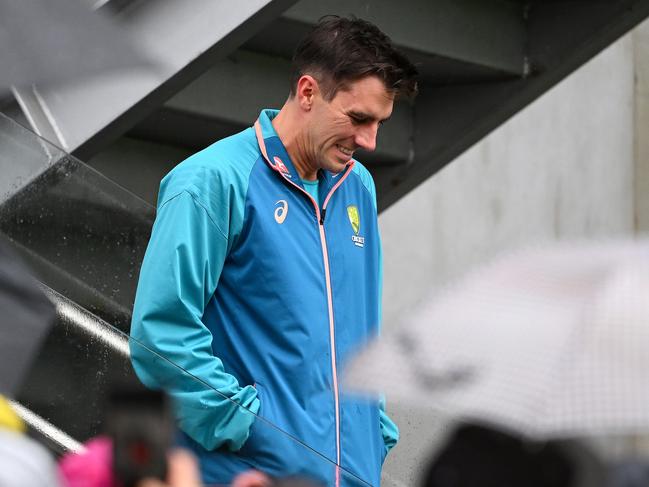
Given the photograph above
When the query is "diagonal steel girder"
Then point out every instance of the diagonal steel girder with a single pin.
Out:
(448, 39)
(484, 36)
(214, 106)
(562, 36)
(184, 36)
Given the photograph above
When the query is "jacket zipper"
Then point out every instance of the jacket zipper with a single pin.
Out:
(325, 256)
(320, 218)
(332, 340)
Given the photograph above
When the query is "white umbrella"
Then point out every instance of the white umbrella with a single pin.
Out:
(551, 342)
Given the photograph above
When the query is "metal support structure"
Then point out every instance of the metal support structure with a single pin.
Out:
(50, 435)
(87, 323)
(215, 105)
(481, 37)
(450, 119)
(185, 36)
(37, 114)
(76, 318)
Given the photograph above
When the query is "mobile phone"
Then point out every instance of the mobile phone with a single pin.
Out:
(139, 422)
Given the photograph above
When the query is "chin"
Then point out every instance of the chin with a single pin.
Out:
(334, 164)
(338, 167)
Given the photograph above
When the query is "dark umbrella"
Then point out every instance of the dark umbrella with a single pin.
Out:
(25, 317)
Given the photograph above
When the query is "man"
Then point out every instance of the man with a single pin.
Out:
(263, 273)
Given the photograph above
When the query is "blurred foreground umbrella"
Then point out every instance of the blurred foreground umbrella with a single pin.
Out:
(58, 40)
(25, 317)
(551, 342)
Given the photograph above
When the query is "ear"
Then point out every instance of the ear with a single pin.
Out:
(307, 89)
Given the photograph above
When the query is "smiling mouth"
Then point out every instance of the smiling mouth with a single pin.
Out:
(345, 150)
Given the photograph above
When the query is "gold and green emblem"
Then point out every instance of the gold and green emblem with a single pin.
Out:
(354, 218)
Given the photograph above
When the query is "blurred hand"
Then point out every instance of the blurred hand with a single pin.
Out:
(183, 472)
(251, 478)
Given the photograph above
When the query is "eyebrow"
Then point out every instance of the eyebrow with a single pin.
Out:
(364, 116)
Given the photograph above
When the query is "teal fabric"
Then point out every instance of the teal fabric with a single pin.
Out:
(198, 220)
(312, 188)
(389, 429)
(233, 296)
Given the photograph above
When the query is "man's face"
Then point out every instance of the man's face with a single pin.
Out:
(348, 122)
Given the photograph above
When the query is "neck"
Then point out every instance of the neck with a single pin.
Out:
(290, 128)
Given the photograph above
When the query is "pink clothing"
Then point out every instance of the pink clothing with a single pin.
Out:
(91, 468)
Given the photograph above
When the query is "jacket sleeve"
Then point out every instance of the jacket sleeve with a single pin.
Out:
(389, 429)
(171, 348)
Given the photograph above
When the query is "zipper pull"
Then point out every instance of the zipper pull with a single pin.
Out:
(322, 215)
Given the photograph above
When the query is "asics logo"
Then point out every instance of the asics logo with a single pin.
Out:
(281, 211)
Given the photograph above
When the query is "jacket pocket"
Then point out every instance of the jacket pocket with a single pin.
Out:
(268, 448)
(258, 427)
(266, 442)
(273, 451)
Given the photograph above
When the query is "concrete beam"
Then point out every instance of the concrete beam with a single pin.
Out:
(641, 182)
(185, 36)
(230, 96)
(484, 33)
(235, 89)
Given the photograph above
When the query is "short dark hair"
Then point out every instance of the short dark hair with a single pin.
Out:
(339, 50)
(480, 454)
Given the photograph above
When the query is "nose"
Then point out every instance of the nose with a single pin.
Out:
(366, 136)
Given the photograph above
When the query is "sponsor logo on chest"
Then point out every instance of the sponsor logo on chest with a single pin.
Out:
(281, 211)
(279, 164)
(355, 220)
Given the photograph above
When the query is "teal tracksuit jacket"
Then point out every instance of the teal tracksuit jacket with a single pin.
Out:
(252, 297)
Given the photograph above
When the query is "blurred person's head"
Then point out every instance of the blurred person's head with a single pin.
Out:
(23, 461)
(476, 455)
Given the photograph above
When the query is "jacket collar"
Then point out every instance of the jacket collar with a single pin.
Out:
(277, 157)
(272, 147)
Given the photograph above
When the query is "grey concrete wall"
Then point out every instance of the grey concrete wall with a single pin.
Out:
(641, 51)
(562, 168)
